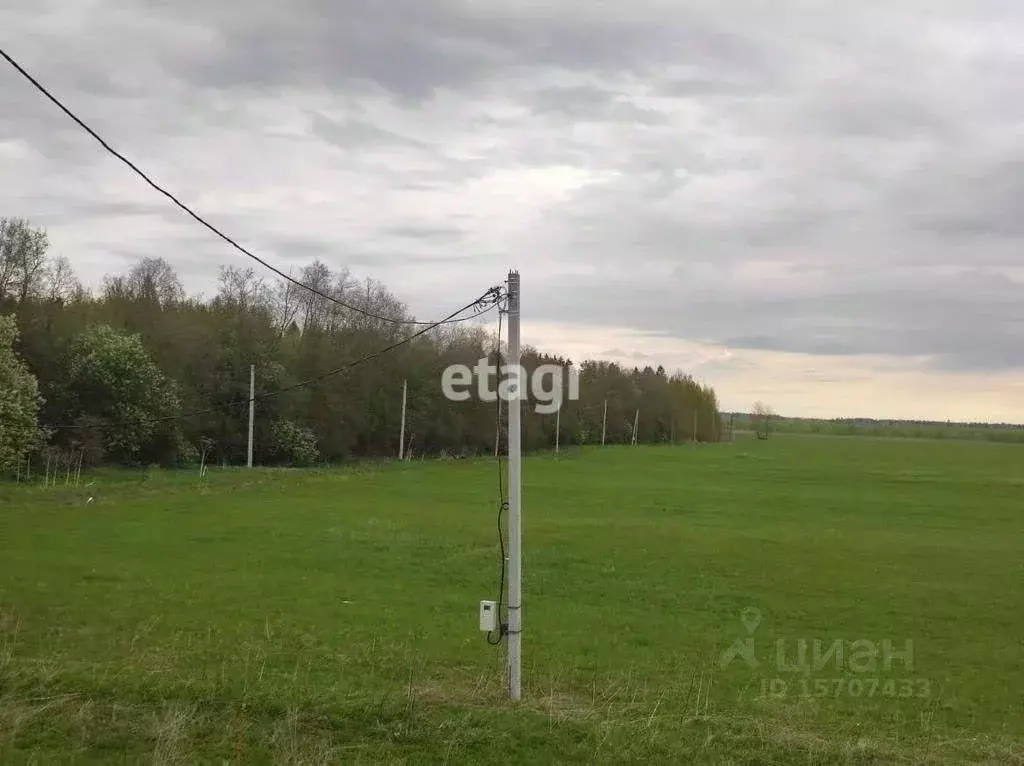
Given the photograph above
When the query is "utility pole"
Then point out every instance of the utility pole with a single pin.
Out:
(558, 425)
(604, 421)
(515, 528)
(252, 407)
(401, 434)
(636, 423)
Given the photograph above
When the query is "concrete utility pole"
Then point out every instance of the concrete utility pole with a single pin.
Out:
(604, 421)
(252, 407)
(515, 528)
(401, 434)
(558, 425)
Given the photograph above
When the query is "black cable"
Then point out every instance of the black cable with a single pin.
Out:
(497, 435)
(502, 502)
(42, 89)
(492, 293)
(502, 624)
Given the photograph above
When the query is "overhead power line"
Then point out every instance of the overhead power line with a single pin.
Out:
(490, 298)
(42, 89)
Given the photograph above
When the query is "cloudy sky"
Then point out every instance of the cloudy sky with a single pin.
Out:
(815, 204)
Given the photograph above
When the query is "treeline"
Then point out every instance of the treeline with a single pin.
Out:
(903, 423)
(141, 373)
(901, 429)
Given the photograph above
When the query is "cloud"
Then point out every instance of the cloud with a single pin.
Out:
(826, 181)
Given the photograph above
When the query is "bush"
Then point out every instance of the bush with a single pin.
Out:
(188, 455)
(293, 444)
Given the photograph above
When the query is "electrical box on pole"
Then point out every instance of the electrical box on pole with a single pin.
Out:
(488, 616)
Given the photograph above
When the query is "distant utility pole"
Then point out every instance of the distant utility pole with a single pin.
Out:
(636, 424)
(252, 408)
(558, 424)
(401, 434)
(604, 421)
(515, 527)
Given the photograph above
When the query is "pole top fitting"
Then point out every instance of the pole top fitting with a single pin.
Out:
(513, 293)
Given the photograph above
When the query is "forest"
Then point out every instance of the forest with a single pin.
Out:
(139, 373)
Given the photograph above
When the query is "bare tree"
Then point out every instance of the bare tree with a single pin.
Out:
(59, 281)
(761, 415)
(10, 240)
(115, 288)
(154, 280)
(341, 317)
(286, 301)
(22, 258)
(314, 307)
(242, 290)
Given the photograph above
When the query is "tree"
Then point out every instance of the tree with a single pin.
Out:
(59, 282)
(111, 376)
(154, 352)
(154, 280)
(293, 444)
(761, 415)
(22, 259)
(19, 401)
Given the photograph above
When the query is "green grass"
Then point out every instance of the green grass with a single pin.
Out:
(330, 616)
(1002, 433)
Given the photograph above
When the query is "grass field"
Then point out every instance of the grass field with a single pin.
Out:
(308, 617)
